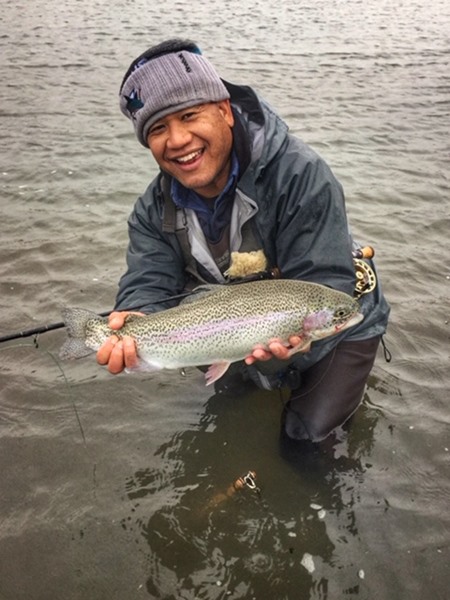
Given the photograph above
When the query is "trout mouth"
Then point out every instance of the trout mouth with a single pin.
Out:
(350, 323)
(337, 328)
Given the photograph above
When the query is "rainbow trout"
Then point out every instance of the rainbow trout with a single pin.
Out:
(222, 326)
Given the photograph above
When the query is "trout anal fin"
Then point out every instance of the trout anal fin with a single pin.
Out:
(216, 371)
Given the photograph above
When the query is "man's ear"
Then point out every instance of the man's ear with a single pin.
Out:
(225, 109)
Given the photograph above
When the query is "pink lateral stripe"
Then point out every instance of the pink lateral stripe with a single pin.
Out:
(195, 332)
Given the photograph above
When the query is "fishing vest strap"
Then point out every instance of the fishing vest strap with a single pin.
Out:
(172, 223)
(169, 224)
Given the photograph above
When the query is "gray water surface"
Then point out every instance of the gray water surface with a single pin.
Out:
(115, 488)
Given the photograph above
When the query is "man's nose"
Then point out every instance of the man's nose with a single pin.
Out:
(179, 135)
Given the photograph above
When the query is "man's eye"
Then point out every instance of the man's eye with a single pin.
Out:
(189, 115)
(156, 129)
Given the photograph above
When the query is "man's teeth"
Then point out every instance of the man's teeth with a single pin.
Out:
(188, 157)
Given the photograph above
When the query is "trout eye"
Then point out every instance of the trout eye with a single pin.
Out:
(340, 312)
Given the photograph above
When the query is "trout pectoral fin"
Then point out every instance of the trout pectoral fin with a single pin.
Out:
(216, 371)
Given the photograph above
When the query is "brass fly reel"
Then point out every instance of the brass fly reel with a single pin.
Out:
(366, 280)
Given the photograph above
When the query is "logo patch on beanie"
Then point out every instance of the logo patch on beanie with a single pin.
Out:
(134, 103)
(185, 62)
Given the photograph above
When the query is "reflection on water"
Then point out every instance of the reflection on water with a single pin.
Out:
(282, 540)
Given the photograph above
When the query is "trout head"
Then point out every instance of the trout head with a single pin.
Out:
(327, 322)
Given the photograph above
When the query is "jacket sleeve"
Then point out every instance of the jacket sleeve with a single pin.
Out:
(311, 236)
(155, 265)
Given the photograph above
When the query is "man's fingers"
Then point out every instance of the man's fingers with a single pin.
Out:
(118, 354)
(258, 353)
(278, 350)
(129, 352)
(295, 340)
(104, 352)
(117, 319)
(116, 363)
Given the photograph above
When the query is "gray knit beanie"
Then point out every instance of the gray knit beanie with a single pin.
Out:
(169, 77)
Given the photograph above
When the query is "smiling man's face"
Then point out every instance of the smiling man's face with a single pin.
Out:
(194, 146)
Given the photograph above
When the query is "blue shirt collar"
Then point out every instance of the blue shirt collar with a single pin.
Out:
(186, 198)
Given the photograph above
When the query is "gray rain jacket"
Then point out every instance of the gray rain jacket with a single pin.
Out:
(297, 211)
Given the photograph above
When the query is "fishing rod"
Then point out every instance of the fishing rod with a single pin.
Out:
(37, 330)
(52, 326)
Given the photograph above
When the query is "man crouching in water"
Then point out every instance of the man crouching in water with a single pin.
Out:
(233, 179)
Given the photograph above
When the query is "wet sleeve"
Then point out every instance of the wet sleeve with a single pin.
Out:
(155, 269)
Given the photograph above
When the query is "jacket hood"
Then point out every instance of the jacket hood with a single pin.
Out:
(266, 130)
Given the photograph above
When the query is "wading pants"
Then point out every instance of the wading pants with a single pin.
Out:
(330, 391)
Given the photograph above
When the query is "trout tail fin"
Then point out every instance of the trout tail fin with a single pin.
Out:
(75, 320)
